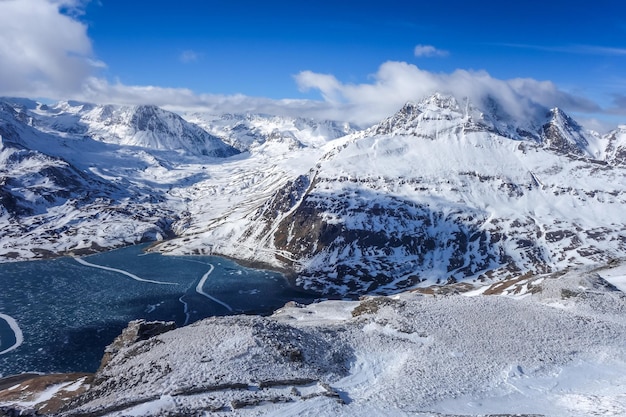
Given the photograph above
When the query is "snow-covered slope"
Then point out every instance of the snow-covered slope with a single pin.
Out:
(64, 191)
(443, 191)
(246, 131)
(142, 126)
(50, 207)
(440, 192)
(556, 352)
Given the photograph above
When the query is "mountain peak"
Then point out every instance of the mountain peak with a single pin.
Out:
(439, 113)
(412, 119)
(410, 107)
(441, 101)
(564, 135)
(402, 119)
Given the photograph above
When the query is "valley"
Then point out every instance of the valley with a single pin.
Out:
(472, 261)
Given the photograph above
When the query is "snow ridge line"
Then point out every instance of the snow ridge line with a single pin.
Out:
(19, 336)
(120, 271)
(200, 291)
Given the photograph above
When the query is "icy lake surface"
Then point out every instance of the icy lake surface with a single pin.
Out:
(58, 315)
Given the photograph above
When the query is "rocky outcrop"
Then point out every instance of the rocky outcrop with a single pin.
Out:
(233, 362)
(563, 135)
(136, 331)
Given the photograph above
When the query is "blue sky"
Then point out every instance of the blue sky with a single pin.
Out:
(255, 48)
(318, 52)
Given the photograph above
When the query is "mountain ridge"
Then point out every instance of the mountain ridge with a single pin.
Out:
(420, 218)
(440, 192)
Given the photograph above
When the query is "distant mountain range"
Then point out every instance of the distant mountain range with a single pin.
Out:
(443, 191)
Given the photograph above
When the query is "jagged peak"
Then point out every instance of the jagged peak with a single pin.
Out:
(437, 106)
(409, 107)
(73, 106)
(488, 114)
(565, 135)
(556, 115)
(440, 100)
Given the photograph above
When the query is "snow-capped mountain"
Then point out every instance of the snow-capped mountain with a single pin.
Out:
(439, 192)
(615, 150)
(141, 126)
(445, 190)
(246, 131)
(562, 134)
(66, 186)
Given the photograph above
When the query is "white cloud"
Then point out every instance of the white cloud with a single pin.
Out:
(43, 52)
(571, 49)
(189, 56)
(98, 90)
(391, 87)
(428, 51)
(328, 85)
(46, 52)
(395, 83)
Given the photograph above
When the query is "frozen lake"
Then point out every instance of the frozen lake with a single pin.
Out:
(58, 315)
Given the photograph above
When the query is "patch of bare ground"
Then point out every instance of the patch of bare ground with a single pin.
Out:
(500, 287)
(445, 290)
(28, 388)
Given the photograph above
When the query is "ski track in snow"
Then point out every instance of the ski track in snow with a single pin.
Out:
(200, 291)
(19, 336)
(120, 271)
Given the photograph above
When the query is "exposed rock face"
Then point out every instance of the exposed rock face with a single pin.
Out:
(562, 134)
(616, 146)
(37, 395)
(396, 237)
(136, 331)
(440, 193)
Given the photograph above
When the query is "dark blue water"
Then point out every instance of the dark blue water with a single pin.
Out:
(68, 312)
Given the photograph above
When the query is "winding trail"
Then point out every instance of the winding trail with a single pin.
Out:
(200, 291)
(128, 274)
(19, 336)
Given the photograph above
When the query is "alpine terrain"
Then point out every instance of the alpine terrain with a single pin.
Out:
(443, 191)
(485, 247)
